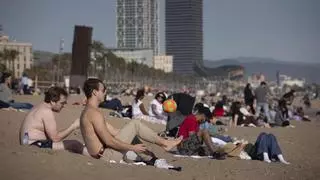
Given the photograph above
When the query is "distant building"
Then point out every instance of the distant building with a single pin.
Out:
(256, 79)
(143, 56)
(163, 62)
(184, 34)
(289, 81)
(138, 24)
(23, 61)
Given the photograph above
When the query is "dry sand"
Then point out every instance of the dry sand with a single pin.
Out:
(300, 146)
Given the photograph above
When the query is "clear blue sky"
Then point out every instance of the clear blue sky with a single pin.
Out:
(287, 30)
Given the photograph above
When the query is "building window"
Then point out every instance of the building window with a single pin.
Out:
(18, 74)
(24, 66)
(18, 66)
(24, 58)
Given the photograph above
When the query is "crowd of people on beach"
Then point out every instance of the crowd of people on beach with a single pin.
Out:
(196, 128)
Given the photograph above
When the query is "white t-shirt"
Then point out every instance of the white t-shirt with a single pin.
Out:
(136, 109)
(24, 80)
(158, 107)
(244, 111)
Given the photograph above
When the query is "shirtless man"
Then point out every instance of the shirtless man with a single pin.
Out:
(106, 142)
(41, 126)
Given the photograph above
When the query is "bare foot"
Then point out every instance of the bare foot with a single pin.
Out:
(172, 143)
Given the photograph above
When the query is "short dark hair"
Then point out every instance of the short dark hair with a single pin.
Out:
(53, 94)
(90, 85)
(160, 94)
(140, 93)
(205, 111)
(4, 76)
(263, 83)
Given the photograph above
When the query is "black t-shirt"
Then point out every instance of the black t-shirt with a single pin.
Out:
(240, 117)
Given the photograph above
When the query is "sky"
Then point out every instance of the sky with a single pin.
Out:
(287, 30)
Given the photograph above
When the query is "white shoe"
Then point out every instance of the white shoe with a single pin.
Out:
(162, 164)
(244, 155)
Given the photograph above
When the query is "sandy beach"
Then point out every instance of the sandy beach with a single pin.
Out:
(300, 146)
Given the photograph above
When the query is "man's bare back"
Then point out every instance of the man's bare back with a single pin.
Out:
(34, 125)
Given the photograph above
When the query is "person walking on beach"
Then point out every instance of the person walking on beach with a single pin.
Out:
(261, 94)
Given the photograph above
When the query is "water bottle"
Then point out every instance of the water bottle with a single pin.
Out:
(25, 140)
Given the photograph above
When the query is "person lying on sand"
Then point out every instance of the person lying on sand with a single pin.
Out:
(103, 141)
(41, 126)
(266, 148)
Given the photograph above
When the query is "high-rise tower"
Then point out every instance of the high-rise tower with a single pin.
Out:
(184, 34)
(138, 24)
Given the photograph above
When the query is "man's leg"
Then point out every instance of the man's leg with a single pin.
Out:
(253, 111)
(17, 105)
(118, 104)
(262, 150)
(4, 105)
(258, 109)
(267, 112)
(273, 146)
(70, 145)
(137, 128)
(114, 104)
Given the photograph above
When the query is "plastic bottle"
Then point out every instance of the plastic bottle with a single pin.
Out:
(25, 140)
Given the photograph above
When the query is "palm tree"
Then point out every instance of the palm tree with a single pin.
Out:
(2, 65)
(65, 60)
(12, 56)
(5, 57)
(99, 54)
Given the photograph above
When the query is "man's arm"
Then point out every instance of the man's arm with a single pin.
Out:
(50, 127)
(154, 110)
(235, 120)
(143, 110)
(103, 133)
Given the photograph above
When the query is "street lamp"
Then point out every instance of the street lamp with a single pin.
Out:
(59, 59)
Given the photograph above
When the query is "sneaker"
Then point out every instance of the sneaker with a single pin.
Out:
(244, 155)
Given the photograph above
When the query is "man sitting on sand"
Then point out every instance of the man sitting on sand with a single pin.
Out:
(41, 127)
(106, 142)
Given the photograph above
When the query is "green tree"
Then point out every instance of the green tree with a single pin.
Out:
(12, 56)
(65, 64)
(1, 55)
(9, 55)
(98, 59)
